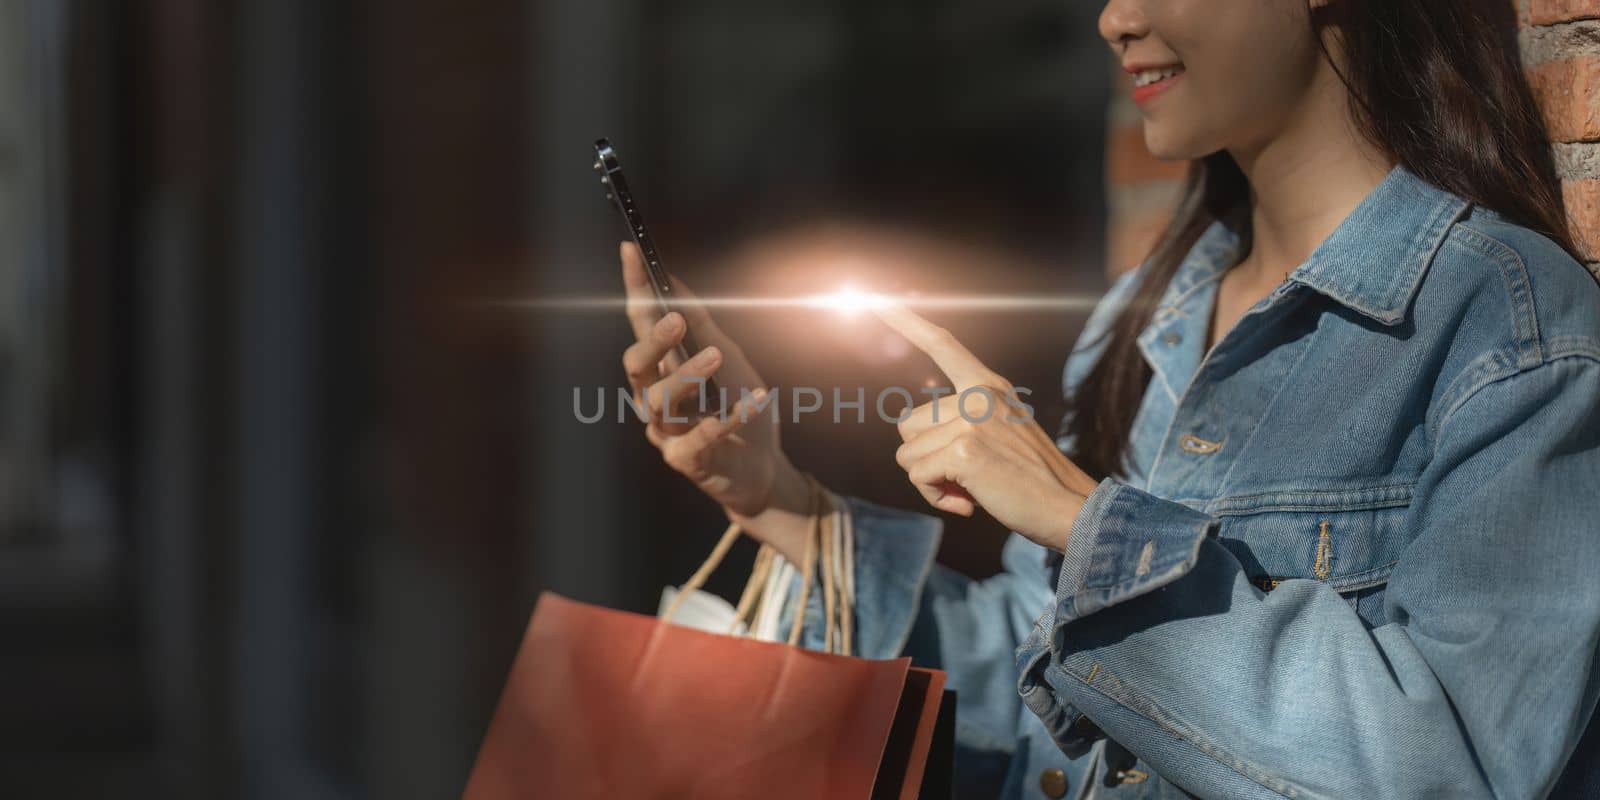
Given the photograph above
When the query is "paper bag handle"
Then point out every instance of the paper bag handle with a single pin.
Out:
(836, 557)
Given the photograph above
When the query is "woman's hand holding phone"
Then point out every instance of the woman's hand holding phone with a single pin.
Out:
(735, 458)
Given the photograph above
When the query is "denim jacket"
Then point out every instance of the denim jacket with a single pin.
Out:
(1357, 553)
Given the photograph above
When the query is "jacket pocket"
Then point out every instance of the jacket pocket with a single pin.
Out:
(1349, 539)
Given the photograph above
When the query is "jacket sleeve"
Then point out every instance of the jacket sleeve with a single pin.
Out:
(1479, 686)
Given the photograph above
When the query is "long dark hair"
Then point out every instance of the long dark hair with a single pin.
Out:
(1435, 84)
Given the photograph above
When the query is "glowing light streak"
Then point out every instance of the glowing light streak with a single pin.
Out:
(847, 301)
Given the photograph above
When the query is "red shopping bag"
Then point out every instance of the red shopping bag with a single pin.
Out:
(604, 703)
(607, 704)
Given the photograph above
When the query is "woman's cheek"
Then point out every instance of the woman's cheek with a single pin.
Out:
(1227, 97)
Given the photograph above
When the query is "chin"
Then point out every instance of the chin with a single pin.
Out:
(1169, 145)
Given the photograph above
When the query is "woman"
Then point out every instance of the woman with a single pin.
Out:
(1322, 518)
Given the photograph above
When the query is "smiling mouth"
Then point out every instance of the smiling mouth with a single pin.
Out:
(1148, 77)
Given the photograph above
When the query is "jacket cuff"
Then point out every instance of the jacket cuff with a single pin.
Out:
(1073, 732)
(894, 554)
(1124, 543)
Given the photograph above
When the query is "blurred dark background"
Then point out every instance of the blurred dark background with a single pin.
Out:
(280, 480)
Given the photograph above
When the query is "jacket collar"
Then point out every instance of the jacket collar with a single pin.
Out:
(1373, 262)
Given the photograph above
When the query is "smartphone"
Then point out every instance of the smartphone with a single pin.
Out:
(616, 186)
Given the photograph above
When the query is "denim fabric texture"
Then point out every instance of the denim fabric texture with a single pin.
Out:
(1356, 553)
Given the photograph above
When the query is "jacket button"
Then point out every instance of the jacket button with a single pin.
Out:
(1053, 782)
(1172, 338)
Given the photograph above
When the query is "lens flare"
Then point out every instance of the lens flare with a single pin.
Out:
(849, 301)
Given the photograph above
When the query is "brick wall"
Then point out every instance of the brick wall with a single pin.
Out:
(1560, 41)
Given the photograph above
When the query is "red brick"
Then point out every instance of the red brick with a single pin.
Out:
(1546, 12)
(1128, 161)
(1568, 91)
(1582, 198)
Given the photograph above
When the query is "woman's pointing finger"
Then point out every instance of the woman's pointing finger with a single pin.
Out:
(953, 358)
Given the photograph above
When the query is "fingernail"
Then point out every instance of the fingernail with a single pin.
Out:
(671, 322)
(706, 356)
